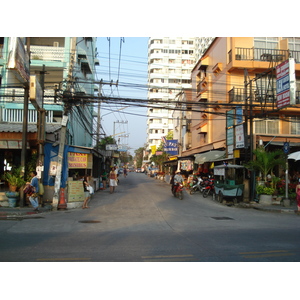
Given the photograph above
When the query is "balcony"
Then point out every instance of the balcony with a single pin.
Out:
(262, 54)
(237, 95)
(47, 53)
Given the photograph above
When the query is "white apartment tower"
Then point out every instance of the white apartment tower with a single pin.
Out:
(170, 61)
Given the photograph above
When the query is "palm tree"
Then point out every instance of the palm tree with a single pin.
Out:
(266, 161)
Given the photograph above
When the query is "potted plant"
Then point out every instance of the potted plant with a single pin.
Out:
(265, 161)
(265, 194)
(15, 182)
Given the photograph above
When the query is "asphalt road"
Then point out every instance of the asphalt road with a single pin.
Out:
(143, 222)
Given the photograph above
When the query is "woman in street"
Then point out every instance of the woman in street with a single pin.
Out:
(34, 198)
(86, 193)
(112, 179)
(298, 196)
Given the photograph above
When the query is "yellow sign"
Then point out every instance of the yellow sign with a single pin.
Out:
(153, 149)
(75, 191)
(77, 160)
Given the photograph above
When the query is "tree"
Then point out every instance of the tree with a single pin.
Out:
(266, 161)
(139, 156)
(105, 141)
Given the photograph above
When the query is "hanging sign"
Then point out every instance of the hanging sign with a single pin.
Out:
(77, 160)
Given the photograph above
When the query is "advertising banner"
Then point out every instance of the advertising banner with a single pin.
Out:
(286, 83)
(171, 147)
(77, 160)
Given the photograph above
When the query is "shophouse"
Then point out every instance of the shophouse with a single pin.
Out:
(234, 99)
(60, 75)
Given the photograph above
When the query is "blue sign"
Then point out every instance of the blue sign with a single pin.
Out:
(171, 147)
(286, 147)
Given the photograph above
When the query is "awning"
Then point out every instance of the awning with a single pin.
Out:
(229, 166)
(209, 156)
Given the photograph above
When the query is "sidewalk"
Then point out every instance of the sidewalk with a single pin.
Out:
(23, 212)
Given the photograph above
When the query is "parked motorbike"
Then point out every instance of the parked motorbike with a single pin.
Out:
(198, 186)
(209, 189)
(178, 191)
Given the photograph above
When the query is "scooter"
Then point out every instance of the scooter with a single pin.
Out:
(178, 191)
(198, 186)
(209, 189)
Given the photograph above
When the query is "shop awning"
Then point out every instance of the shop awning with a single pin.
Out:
(209, 156)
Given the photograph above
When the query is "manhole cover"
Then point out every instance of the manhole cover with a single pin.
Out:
(89, 221)
(222, 218)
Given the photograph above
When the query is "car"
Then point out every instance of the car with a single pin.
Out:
(138, 170)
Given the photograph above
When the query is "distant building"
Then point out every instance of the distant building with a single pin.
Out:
(170, 61)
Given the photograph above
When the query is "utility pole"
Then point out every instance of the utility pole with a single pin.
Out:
(69, 93)
(41, 128)
(25, 124)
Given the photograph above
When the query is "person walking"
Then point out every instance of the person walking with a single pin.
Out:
(104, 179)
(112, 179)
(125, 172)
(298, 196)
(34, 198)
(87, 194)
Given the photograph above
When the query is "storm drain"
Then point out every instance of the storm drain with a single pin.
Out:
(222, 218)
(89, 221)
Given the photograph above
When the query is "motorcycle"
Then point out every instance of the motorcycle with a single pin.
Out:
(198, 186)
(178, 191)
(209, 189)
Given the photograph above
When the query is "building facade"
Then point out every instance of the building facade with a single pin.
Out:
(170, 61)
(234, 97)
(60, 74)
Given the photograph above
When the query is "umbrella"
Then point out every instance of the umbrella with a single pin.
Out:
(295, 155)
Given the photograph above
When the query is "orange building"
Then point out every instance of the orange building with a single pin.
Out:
(234, 97)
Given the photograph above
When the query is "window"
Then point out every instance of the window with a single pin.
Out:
(294, 43)
(295, 125)
(266, 42)
(267, 126)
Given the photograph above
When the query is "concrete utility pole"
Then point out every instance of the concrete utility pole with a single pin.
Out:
(25, 125)
(41, 126)
(63, 131)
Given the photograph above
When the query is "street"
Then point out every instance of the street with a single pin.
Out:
(143, 222)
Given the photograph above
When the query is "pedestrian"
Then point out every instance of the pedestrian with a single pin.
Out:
(112, 179)
(125, 172)
(104, 179)
(87, 194)
(34, 198)
(298, 196)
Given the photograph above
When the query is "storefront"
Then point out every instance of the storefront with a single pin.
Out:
(77, 163)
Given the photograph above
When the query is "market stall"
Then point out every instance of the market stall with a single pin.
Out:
(229, 182)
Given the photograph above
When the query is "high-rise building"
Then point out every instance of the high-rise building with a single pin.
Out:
(170, 61)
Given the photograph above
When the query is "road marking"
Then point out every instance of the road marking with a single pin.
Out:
(167, 256)
(271, 253)
(63, 259)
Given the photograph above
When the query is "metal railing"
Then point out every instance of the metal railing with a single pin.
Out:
(262, 54)
(47, 53)
(259, 95)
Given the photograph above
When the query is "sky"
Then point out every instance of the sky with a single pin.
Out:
(124, 59)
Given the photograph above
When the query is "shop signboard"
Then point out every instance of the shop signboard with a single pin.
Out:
(77, 160)
(75, 191)
(286, 83)
(18, 59)
(239, 136)
(171, 147)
